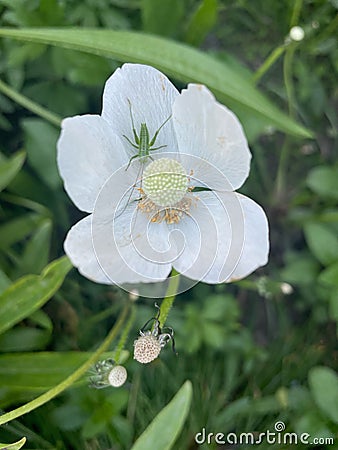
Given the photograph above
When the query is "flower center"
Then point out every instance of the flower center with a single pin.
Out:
(165, 182)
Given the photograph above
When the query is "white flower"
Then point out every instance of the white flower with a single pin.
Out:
(176, 206)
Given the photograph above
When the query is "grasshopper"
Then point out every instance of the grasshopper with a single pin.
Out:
(144, 145)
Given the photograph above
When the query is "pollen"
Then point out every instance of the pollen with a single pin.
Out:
(165, 182)
(171, 214)
(117, 376)
(146, 349)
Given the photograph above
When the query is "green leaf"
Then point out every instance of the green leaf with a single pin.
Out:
(9, 168)
(174, 59)
(324, 387)
(24, 339)
(301, 270)
(29, 293)
(202, 21)
(26, 375)
(324, 181)
(164, 429)
(4, 281)
(15, 230)
(41, 140)
(162, 19)
(15, 446)
(38, 371)
(329, 276)
(35, 256)
(322, 242)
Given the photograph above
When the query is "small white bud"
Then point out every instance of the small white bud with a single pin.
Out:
(117, 376)
(297, 34)
(286, 288)
(146, 349)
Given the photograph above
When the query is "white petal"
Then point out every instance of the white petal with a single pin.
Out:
(130, 248)
(79, 248)
(88, 153)
(227, 241)
(151, 96)
(209, 130)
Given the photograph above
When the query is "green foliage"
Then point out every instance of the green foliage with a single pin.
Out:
(324, 387)
(201, 22)
(40, 138)
(163, 19)
(324, 181)
(256, 352)
(9, 168)
(181, 62)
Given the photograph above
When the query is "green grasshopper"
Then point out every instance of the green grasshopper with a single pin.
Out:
(144, 145)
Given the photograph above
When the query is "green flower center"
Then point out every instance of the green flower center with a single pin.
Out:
(165, 182)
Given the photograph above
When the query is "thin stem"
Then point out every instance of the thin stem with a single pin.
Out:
(297, 7)
(30, 105)
(170, 296)
(270, 60)
(56, 390)
(285, 151)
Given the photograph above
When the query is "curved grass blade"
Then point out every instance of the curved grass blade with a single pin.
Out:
(164, 429)
(175, 59)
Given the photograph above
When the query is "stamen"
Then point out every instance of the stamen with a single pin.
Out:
(171, 214)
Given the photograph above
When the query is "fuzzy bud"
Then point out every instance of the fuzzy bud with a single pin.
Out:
(117, 376)
(146, 349)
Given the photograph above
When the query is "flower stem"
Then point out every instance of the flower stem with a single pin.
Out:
(170, 296)
(290, 94)
(30, 105)
(56, 390)
(270, 60)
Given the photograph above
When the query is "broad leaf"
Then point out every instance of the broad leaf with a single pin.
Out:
(322, 242)
(324, 387)
(323, 180)
(9, 168)
(29, 293)
(164, 429)
(40, 138)
(174, 59)
(18, 228)
(23, 376)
